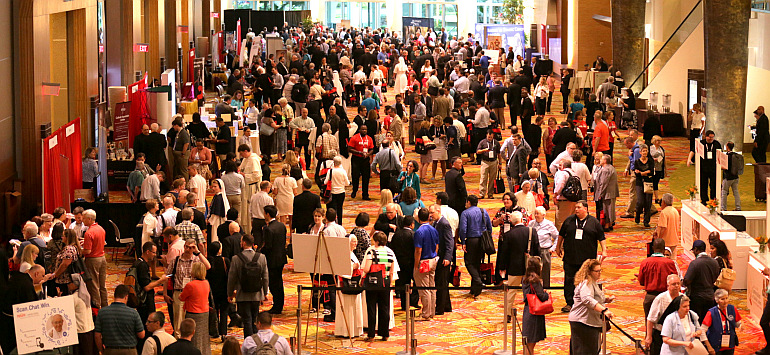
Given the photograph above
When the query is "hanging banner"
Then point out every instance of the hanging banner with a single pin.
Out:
(45, 325)
(122, 120)
(191, 66)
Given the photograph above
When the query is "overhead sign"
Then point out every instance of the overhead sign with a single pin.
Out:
(141, 47)
(45, 325)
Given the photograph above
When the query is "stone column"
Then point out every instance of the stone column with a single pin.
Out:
(726, 36)
(628, 40)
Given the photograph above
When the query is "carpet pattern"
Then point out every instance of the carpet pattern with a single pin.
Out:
(475, 326)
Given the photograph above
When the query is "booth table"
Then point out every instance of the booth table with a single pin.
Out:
(190, 107)
(697, 223)
(756, 285)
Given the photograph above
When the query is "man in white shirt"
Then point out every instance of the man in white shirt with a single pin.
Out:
(462, 84)
(461, 131)
(198, 185)
(252, 175)
(257, 210)
(339, 180)
(159, 339)
(653, 338)
(582, 172)
(481, 121)
(265, 335)
(168, 216)
(78, 226)
(564, 207)
(547, 234)
(566, 155)
(442, 199)
(151, 186)
(359, 81)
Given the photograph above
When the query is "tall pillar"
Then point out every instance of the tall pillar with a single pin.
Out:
(170, 21)
(216, 22)
(152, 36)
(119, 48)
(628, 39)
(726, 63)
(205, 18)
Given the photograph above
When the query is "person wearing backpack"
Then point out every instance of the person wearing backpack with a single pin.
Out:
(247, 283)
(144, 286)
(731, 176)
(160, 338)
(566, 184)
(264, 341)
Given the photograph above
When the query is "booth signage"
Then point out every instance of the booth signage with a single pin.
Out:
(45, 325)
(141, 47)
(722, 159)
(699, 149)
(122, 119)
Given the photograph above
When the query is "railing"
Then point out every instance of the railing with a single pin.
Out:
(672, 44)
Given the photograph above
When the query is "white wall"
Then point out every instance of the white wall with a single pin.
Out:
(756, 87)
(672, 79)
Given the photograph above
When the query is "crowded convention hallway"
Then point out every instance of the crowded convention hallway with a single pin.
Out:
(338, 190)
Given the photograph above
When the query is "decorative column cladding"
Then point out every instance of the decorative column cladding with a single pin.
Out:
(628, 39)
(726, 36)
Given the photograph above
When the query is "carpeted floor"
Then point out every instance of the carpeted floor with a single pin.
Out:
(475, 326)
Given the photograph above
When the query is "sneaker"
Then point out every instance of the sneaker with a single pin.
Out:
(327, 312)
(566, 309)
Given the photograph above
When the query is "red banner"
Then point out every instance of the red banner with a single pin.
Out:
(62, 166)
(191, 66)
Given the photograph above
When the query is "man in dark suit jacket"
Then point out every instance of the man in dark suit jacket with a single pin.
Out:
(274, 234)
(155, 148)
(402, 245)
(304, 205)
(514, 249)
(231, 246)
(389, 222)
(455, 185)
(183, 345)
(527, 109)
(563, 136)
(516, 166)
(523, 80)
(223, 231)
(446, 248)
(514, 102)
(763, 135)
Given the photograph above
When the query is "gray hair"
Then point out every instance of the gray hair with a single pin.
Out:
(337, 160)
(30, 230)
(672, 277)
(607, 158)
(719, 293)
(516, 217)
(326, 127)
(668, 199)
(46, 217)
(283, 101)
(89, 213)
(540, 209)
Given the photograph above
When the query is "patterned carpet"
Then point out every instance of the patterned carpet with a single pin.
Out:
(475, 326)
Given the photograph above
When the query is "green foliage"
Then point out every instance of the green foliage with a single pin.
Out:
(307, 24)
(513, 11)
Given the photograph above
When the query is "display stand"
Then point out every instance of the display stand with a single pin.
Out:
(318, 249)
(757, 282)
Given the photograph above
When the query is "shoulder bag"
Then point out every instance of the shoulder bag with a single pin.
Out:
(726, 279)
(538, 307)
(487, 243)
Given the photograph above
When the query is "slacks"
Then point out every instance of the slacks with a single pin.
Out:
(378, 313)
(473, 258)
(97, 287)
(427, 297)
(564, 209)
(488, 176)
(248, 310)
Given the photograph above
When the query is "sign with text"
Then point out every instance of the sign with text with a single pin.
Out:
(699, 149)
(141, 47)
(121, 122)
(722, 159)
(45, 325)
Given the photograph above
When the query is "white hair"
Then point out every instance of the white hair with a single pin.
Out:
(337, 160)
(89, 213)
(719, 293)
(283, 101)
(672, 277)
(516, 217)
(30, 230)
(540, 209)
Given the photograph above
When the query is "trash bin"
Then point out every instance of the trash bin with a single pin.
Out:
(761, 172)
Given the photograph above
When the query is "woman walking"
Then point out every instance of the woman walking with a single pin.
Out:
(658, 155)
(680, 329)
(195, 296)
(284, 187)
(643, 169)
(585, 318)
(533, 326)
(217, 278)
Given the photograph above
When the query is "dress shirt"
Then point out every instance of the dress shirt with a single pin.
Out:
(328, 142)
(462, 84)
(190, 230)
(451, 216)
(554, 167)
(234, 183)
(332, 229)
(654, 271)
(257, 204)
(581, 170)
(150, 188)
(559, 179)
(149, 347)
(386, 159)
(250, 346)
(339, 179)
(473, 222)
(90, 170)
(359, 78)
(659, 305)
(79, 229)
(482, 120)
(546, 233)
(419, 110)
(302, 123)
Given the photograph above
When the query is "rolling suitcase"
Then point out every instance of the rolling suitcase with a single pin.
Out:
(761, 172)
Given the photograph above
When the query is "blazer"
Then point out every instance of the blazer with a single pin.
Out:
(274, 249)
(446, 239)
(514, 246)
(231, 246)
(527, 110)
(514, 96)
(455, 188)
(304, 205)
(402, 245)
(234, 276)
(516, 167)
(606, 183)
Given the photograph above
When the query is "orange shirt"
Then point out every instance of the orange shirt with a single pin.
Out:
(93, 240)
(669, 218)
(195, 296)
(602, 136)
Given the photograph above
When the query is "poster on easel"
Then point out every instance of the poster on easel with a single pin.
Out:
(311, 255)
(45, 325)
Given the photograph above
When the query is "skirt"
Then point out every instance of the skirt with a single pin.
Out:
(201, 339)
(279, 143)
(426, 158)
(354, 313)
(440, 152)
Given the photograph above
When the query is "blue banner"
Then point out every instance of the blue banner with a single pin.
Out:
(511, 36)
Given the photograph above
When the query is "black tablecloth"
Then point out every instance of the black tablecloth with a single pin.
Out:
(117, 173)
(125, 215)
(673, 124)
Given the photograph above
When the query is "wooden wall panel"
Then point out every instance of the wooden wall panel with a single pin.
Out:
(184, 13)
(153, 39)
(170, 19)
(127, 41)
(7, 127)
(78, 72)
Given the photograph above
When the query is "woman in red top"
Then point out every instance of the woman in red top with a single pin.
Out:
(609, 118)
(195, 296)
(548, 139)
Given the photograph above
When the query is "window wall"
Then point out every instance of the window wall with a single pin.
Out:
(360, 14)
(271, 5)
(489, 11)
(443, 14)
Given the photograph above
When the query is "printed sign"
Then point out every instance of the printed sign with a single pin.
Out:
(699, 149)
(722, 159)
(45, 325)
(122, 119)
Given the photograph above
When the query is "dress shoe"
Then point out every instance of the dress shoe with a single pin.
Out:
(329, 318)
(647, 225)
(353, 195)
(274, 311)
(366, 198)
(627, 215)
(566, 309)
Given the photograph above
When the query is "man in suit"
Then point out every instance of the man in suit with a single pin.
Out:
(304, 205)
(446, 251)
(223, 231)
(455, 185)
(155, 148)
(526, 109)
(516, 158)
(274, 234)
(231, 245)
(606, 191)
(523, 80)
(763, 136)
(514, 102)
(248, 302)
(442, 105)
(515, 248)
(389, 222)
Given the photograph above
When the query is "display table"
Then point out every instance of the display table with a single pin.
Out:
(190, 107)
(673, 124)
(117, 173)
(756, 283)
(756, 221)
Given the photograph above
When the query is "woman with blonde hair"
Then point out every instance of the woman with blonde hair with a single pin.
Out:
(296, 165)
(386, 197)
(284, 187)
(28, 257)
(585, 317)
(195, 296)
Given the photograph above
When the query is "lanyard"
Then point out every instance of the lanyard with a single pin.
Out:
(577, 223)
(726, 327)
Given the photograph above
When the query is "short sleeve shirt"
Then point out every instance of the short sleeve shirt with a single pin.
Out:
(118, 325)
(578, 249)
(426, 237)
(669, 218)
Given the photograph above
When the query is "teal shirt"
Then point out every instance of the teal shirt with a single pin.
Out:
(408, 210)
(410, 180)
(135, 179)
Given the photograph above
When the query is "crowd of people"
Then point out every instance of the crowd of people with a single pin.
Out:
(226, 255)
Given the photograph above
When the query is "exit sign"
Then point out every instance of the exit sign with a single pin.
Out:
(215, 14)
(141, 47)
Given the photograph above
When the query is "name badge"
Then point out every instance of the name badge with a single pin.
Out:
(390, 236)
(366, 150)
(185, 281)
(491, 154)
(709, 155)
(506, 227)
(578, 234)
(725, 340)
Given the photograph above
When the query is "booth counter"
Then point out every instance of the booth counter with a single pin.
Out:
(756, 291)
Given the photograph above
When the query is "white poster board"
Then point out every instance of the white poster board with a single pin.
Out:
(699, 148)
(305, 246)
(722, 159)
(45, 325)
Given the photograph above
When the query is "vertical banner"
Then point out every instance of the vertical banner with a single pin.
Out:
(52, 151)
(122, 119)
(137, 94)
(191, 66)
(45, 325)
(238, 37)
(72, 145)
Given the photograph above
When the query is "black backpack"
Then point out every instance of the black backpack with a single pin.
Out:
(572, 189)
(737, 163)
(251, 273)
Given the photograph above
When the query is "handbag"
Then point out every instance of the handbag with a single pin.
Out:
(79, 267)
(538, 307)
(456, 274)
(499, 182)
(726, 279)
(487, 244)
(266, 129)
(352, 285)
(647, 187)
(486, 270)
